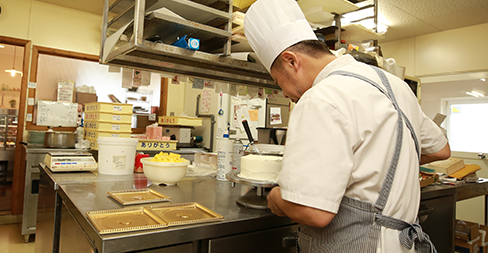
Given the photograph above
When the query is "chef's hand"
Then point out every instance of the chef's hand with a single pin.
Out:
(274, 198)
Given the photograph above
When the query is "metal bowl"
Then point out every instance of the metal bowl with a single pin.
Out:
(60, 140)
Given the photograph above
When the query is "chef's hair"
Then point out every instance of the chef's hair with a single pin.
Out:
(311, 48)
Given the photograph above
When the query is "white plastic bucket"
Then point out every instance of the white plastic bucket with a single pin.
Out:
(116, 156)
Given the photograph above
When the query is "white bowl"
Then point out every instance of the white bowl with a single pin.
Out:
(164, 173)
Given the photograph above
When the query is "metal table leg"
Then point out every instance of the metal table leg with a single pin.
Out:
(57, 222)
(486, 210)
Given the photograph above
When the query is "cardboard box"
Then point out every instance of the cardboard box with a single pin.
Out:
(83, 98)
(143, 121)
(428, 180)
(462, 246)
(466, 230)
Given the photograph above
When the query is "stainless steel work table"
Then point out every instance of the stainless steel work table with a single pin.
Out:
(85, 191)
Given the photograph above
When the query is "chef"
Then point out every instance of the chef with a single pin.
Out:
(355, 140)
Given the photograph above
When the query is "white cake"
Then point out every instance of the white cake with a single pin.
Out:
(260, 167)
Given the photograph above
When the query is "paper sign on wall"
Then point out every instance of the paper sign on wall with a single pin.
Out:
(209, 84)
(51, 113)
(275, 115)
(126, 78)
(197, 83)
(205, 102)
(253, 114)
(30, 101)
(242, 113)
(145, 78)
(29, 117)
(136, 80)
(31, 85)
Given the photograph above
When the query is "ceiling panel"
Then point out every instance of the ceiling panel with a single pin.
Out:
(91, 6)
(431, 16)
(403, 24)
(408, 18)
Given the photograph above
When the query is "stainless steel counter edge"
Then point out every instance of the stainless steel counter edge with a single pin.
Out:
(133, 241)
(207, 191)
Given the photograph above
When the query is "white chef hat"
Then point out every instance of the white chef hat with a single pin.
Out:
(271, 26)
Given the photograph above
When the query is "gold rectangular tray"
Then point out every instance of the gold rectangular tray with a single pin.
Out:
(185, 213)
(125, 220)
(132, 197)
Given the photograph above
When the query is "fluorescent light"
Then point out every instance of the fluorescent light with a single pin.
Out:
(383, 23)
(483, 79)
(475, 94)
(480, 94)
(2, 46)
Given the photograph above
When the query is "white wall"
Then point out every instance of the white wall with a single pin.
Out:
(445, 55)
(51, 25)
(447, 52)
(15, 18)
(190, 109)
(51, 69)
(432, 93)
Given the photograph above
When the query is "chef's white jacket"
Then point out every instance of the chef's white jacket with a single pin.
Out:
(340, 141)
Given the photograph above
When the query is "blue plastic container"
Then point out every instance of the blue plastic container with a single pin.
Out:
(192, 44)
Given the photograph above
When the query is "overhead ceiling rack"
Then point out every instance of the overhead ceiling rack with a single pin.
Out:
(125, 40)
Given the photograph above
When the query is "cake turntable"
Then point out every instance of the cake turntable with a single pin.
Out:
(256, 197)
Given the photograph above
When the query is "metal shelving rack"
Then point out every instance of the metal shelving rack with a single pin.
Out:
(198, 19)
(339, 31)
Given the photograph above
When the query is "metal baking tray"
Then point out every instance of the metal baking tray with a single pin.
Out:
(141, 196)
(185, 213)
(125, 220)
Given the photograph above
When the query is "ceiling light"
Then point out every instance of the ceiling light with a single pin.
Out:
(475, 93)
(480, 94)
(365, 18)
(483, 79)
(13, 71)
(2, 46)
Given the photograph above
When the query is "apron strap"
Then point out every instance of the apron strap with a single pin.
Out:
(410, 233)
(385, 81)
(386, 187)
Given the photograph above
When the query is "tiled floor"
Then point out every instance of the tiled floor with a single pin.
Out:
(11, 240)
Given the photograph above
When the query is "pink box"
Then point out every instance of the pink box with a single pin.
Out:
(154, 133)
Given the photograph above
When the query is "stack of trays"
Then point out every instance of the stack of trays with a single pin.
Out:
(107, 120)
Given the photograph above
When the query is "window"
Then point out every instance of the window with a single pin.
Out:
(466, 123)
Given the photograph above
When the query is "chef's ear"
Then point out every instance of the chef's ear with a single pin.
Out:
(289, 59)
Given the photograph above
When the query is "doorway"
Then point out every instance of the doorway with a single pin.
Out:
(13, 78)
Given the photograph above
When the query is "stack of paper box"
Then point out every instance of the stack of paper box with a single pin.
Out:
(107, 120)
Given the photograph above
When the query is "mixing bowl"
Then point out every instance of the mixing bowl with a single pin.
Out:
(164, 173)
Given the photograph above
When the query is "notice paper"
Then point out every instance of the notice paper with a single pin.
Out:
(275, 115)
(242, 113)
(205, 102)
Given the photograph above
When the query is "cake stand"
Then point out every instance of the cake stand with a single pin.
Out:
(256, 197)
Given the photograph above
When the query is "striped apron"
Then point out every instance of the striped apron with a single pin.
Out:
(357, 225)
